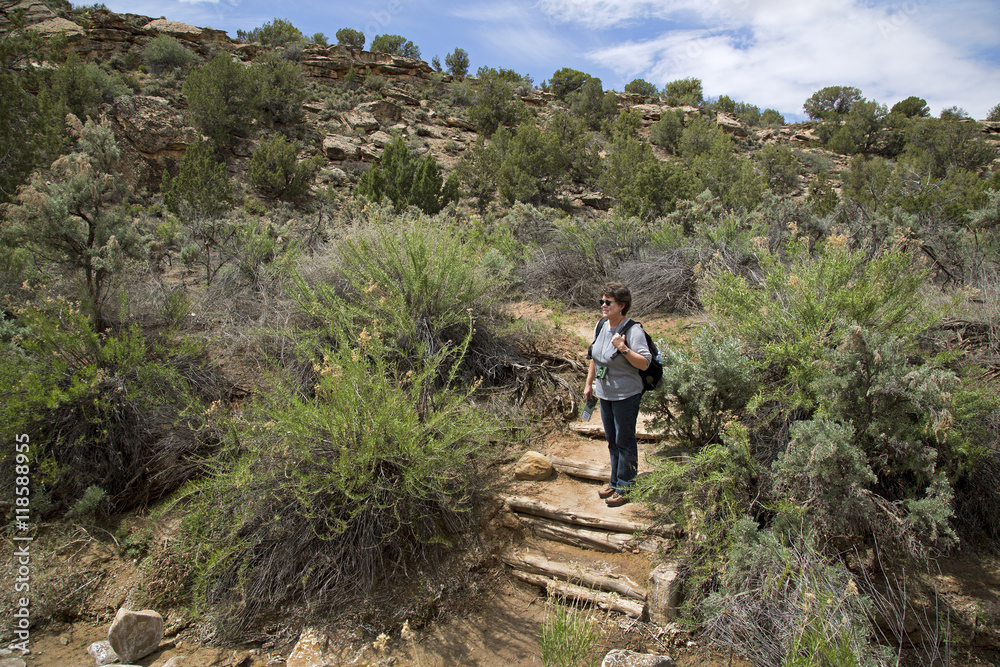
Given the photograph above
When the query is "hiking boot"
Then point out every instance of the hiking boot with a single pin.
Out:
(616, 500)
(606, 492)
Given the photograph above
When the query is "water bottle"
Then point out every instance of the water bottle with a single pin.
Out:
(588, 408)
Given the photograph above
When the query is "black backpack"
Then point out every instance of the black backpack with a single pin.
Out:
(654, 372)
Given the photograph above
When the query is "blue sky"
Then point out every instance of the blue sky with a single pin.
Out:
(772, 53)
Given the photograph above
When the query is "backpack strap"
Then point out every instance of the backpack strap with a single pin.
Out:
(597, 332)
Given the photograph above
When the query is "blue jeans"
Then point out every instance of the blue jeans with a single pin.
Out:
(619, 419)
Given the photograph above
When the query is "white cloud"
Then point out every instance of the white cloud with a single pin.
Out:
(776, 54)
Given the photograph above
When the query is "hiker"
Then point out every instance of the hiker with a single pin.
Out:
(615, 360)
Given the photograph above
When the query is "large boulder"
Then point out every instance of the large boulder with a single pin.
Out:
(730, 124)
(135, 634)
(151, 135)
(360, 120)
(339, 148)
(384, 111)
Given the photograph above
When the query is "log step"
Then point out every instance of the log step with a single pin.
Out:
(582, 470)
(585, 538)
(523, 505)
(575, 574)
(606, 601)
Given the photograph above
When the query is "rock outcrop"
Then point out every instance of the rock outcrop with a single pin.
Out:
(151, 135)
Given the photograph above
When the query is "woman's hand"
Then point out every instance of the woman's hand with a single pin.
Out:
(618, 341)
(588, 390)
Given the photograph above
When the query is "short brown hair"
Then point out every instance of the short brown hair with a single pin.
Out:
(620, 294)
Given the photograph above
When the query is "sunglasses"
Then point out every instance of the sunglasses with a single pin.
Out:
(605, 302)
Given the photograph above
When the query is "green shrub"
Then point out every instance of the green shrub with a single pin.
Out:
(331, 500)
(223, 100)
(815, 617)
(684, 92)
(994, 113)
(494, 103)
(643, 186)
(667, 131)
(596, 107)
(867, 128)
(912, 107)
(114, 410)
(822, 195)
(953, 113)
(457, 62)
(565, 81)
(71, 217)
(701, 390)
(802, 305)
(771, 118)
(276, 172)
(82, 87)
(407, 180)
(163, 53)
(529, 165)
(831, 102)
(746, 113)
(280, 90)
(642, 87)
(201, 186)
(277, 32)
(422, 287)
(935, 147)
(733, 180)
(30, 116)
(396, 45)
(780, 168)
(875, 462)
(352, 38)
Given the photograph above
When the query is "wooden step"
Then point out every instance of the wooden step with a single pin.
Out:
(605, 522)
(595, 429)
(597, 540)
(575, 574)
(561, 589)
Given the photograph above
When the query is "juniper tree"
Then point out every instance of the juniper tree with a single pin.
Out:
(71, 216)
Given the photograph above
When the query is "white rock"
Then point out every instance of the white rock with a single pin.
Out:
(626, 658)
(102, 653)
(135, 634)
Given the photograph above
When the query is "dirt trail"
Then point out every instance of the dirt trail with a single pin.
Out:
(503, 629)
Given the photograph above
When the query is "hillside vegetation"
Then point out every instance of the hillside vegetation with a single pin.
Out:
(261, 287)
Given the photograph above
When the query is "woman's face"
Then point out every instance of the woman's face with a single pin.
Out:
(610, 307)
